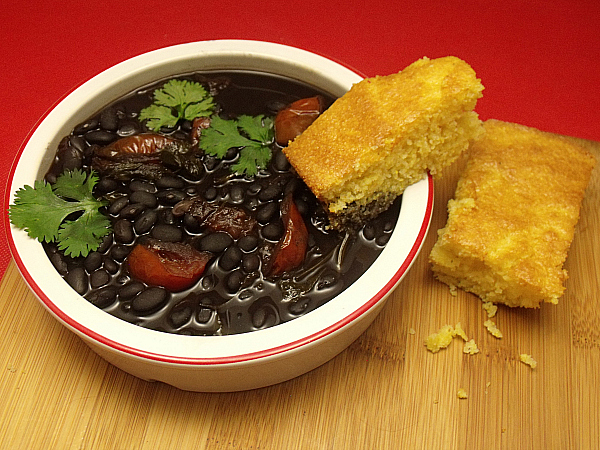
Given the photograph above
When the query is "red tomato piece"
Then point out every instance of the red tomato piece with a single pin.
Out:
(290, 251)
(172, 265)
(293, 120)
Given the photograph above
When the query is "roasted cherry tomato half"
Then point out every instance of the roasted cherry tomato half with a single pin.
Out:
(296, 118)
(172, 265)
(290, 251)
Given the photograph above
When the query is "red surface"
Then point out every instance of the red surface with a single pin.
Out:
(539, 61)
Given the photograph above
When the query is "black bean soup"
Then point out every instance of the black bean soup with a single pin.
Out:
(233, 295)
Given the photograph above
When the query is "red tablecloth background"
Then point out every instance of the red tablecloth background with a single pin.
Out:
(539, 61)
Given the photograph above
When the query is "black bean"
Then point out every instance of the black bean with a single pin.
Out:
(128, 129)
(71, 159)
(210, 194)
(180, 316)
(145, 198)
(280, 162)
(168, 182)
(170, 196)
(167, 233)
(123, 231)
(250, 263)
(117, 205)
(292, 186)
(209, 282)
(102, 297)
(110, 265)
(231, 258)
(230, 154)
(204, 315)
(248, 243)
(191, 223)
(131, 211)
(59, 263)
(383, 239)
(388, 226)
(369, 232)
(166, 216)
(211, 163)
(145, 221)
(119, 252)
(107, 185)
(299, 306)
(99, 278)
(236, 195)
(130, 290)
(215, 242)
(266, 212)
(270, 193)
(100, 137)
(234, 281)
(78, 280)
(273, 231)
(149, 300)
(109, 120)
(139, 185)
(78, 142)
(85, 126)
(92, 261)
(187, 125)
(106, 243)
(254, 188)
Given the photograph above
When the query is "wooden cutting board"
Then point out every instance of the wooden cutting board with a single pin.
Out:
(385, 391)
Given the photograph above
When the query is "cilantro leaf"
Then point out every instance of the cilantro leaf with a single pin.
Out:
(221, 136)
(176, 100)
(42, 211)
(258, 128)
(251, 159)
(252, 134)
(80, 237)
(158, 116)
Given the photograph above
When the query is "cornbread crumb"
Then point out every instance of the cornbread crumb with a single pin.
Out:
(458, 331)
(513, 216)
(492, 328)
(453, 290)
(411, 331)
(442, 339)
(461, 393)
(470, 347)
(490, 308)
(386, 133)
(528, 359)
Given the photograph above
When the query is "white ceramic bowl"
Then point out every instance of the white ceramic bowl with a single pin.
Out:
(212, 363)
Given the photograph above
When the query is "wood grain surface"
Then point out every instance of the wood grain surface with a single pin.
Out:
(386, 391)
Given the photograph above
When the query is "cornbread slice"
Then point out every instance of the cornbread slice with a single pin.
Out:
(513, 216)
(384, 134)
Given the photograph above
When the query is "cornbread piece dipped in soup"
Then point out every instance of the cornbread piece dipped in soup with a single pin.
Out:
(513, 216)
(385, 134)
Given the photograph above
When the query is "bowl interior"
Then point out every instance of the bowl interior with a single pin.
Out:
(100, 327)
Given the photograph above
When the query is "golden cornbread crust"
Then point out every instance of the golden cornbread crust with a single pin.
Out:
(384, 134)
(513, 216)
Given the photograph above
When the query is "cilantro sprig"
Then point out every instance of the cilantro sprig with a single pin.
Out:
(176, 100)
(252, 134)
(42, 212)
